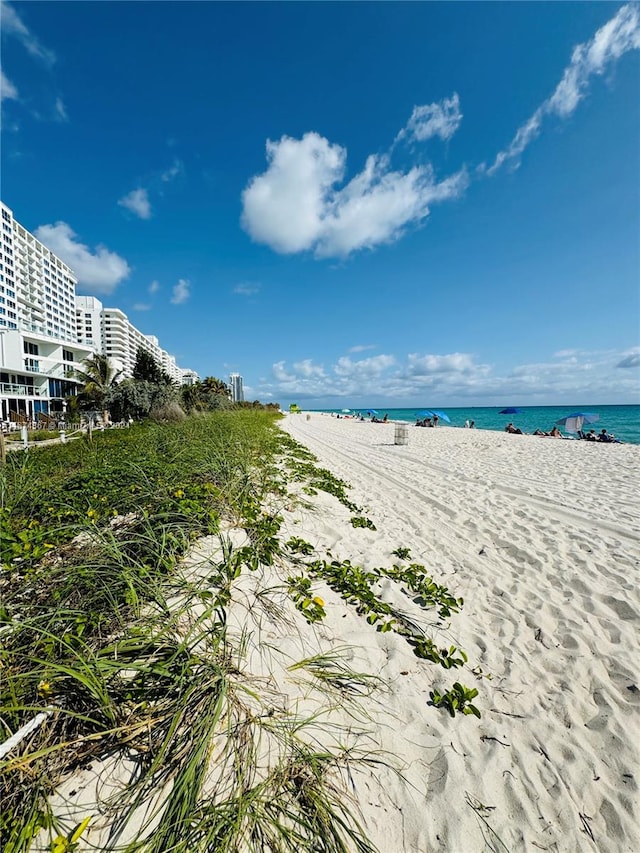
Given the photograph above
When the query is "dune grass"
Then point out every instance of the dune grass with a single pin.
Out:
(93, 532)
(131, 664)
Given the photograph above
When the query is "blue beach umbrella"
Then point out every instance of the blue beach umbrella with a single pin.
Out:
(510, 410)
(576, 420)
(429, 413)
(443, 416)
(371, 412)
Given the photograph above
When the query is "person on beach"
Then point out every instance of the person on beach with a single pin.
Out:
(554, 432)
(435, 420)
(513, 430)
(467, 424)
(606, 436)
(472, 425)
(385, 418)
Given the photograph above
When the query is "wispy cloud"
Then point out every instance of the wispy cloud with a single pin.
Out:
(246, 288)
(361, 347)
(173, 171)
(181, 292)
(154, 287)
(61, 110)
(8, 91)
(440, 119)
(611, 41)
(99, 271)
(13, 25)
(141, 306)
(137, 201)
(295, 205)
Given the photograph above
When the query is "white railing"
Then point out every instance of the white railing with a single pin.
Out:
(21, 390)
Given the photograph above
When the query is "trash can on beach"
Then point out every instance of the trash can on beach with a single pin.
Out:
(402, 434)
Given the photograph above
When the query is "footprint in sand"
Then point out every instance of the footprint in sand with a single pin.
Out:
(437, 774)
(622, 609)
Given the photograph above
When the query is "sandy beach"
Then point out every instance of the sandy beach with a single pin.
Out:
(541, 538)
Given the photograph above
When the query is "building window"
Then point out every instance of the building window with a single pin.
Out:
(31, 349)
(67, 355)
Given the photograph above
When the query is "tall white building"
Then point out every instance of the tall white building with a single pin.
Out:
(46, 331)
(237, 388)
(38, 348)
(109, 330)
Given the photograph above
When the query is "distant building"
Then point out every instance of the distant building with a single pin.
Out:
(111, 333)
(237, 389)
(189, 377)
(39, 352)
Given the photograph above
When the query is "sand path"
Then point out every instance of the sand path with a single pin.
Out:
(542, 539)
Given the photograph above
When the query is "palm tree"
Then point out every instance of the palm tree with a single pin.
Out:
(98, 377)
(211, 385)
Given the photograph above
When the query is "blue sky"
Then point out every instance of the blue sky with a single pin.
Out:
(349, 204)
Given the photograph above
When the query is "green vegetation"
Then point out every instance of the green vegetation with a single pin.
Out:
(123, 652)
(457, 699)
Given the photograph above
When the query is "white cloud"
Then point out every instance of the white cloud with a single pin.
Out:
(439, 119)
(141, 306)
(246, 288)
(8, 91)
(308, 368)
(137, 201)
(631, 358)
(99, 271)
(611, 41)
(154, 287)
(13, 25)
(457, 379)
(361, 347)
(295, 206)
(425, 365)
(60, 110)
(173, 171)
(367, 368)
(181, 292)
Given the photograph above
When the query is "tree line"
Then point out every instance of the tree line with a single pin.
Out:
(149, 393)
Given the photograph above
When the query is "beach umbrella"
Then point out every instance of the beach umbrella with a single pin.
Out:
(371, 412)
(576, 420)
(443, 416)
(346, 410)
(510, 410)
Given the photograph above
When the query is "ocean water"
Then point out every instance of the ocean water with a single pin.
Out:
(622, 421)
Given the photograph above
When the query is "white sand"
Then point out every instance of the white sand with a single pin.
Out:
(542, 539)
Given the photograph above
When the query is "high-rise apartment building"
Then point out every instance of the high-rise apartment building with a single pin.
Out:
(237, 388)
(39, 352)
(109, 330)
(46, 331)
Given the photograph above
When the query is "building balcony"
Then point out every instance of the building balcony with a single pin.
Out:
(10, 389)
